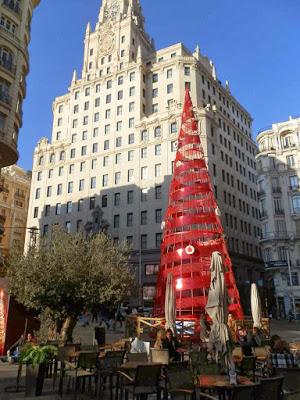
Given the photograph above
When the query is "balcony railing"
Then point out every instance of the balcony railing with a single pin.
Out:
(5, 98)
(12, 5)
(8, 65)
(276, 190)
(261, 193)
(279, 212)
(263, 214)
(19, 195)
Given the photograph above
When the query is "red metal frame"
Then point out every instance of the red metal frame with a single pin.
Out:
(192, 229)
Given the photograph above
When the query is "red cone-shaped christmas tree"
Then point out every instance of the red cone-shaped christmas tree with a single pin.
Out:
(192, 229)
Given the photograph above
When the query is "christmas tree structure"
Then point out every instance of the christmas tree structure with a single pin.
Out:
(192, 229)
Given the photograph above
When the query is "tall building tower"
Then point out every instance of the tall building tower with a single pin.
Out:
(279, 198)
(114, 142)
(15, 21)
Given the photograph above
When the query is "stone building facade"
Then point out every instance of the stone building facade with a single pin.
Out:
(114, 142)
(278, 165)
(14, 201)
(15, 21)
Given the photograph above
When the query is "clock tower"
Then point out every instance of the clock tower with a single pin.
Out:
(118, 41)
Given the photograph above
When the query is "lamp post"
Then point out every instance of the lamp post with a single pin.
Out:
(291, 282)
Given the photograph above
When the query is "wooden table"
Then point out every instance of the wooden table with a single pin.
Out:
(130, 365)
(220, 383)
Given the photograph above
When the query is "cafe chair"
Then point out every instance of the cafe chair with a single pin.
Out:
(271, 388)
(209, 369)
(64, 355)
(84, 368)
(244, 392)
(291, 383)
(138, 357)
(145, 382)
(160, 356)
(248, 366)
(108, 367)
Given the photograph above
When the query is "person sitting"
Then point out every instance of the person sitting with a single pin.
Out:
(281, 356)
(257, 337)
(31, 338)
(160, 337)
(245, 341)
(138, 346)
(172, 344)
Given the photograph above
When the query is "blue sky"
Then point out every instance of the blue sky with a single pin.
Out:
(254, 44)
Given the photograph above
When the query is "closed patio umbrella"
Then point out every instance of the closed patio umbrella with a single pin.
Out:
(256, 307)
(170, 304)
(217, 309)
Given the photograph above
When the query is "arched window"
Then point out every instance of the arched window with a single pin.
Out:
(41, 160)
(52, 157)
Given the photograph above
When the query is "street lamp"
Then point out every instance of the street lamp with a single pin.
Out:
(291, 282)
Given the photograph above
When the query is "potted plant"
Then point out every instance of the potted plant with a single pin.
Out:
(36, 359)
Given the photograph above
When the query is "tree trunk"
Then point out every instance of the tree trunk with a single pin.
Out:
(66, 333)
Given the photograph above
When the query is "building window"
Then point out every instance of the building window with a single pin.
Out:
(130, 197)
(131, 106)
(92, 203)
(35, 212)
(58, 209)
(107, 129)
(294, 182)
(158, 149)
(169, 73)
(129, 240)
(129, 220)
(106, 144)
(116, 221)
(158, 193)
(117, 199)
(144, 218)
(131, 123)
(149, 292)
(154, 93)
(173, 146)
(72, 153)
(70, 187)
(144, 135)
(296, 204)
(158, 170)
(130, 155)
(45, 230)
(105, 180)
(108, 98)
(49, 191)
(290, 160)
(173, 127)
(95, 147)
(151, 269)
(144, 242)
(94, 164)
(120, 95)
(69, 207)
(104, 201)
(130, 175)
(144, 173)
(81, 185)
(93, 182)
(144, 152)
(119, 141)
(187, 71)
(119, 110)
(120, 80)
(170, 88)
(131, 91)
(132, 76)
(74, 137)
(105, 161)
(158, 216)
(158, 239)
(117, 178)
(157, 132)
(118, 158)
(131, 138)
(59, 189)
(144, 195)
(80, 205)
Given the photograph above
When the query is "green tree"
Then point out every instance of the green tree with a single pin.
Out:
(66, 273)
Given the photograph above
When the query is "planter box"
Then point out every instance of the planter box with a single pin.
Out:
(34, 380)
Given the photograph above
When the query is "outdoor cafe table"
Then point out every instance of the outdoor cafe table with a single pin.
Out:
(220, 383)
(132, 365)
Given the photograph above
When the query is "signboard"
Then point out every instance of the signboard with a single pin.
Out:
(276, 264)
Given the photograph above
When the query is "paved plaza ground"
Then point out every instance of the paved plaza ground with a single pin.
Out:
(288, 331)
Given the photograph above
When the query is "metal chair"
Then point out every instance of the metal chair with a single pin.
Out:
(291, 383)
(145, 382)
(160, 356)
(248, 366)
(271, 388)
(244, 392)
(108, 367)
(85, 368)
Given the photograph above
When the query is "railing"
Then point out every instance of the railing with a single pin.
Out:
(261, 193)
(12, 5)
(279, 212)
(263, 214)
(276, 190)
(8, 65)
(5, 98)
(20, 195)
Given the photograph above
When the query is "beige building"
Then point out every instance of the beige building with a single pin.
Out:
(15, 21)
(14, 201)
(278, 164)
(114, 141)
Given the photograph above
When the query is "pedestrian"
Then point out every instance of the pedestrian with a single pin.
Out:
(291, 315)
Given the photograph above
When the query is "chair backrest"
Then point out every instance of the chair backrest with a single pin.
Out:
(87, 360)
(260, 352)
(179, 379)
(291, 376)
(245, 392)
(147, 375)
(64, 352)
(271, 388)
(198, 357)
(112, 361)
(140, 357)
(160, 356)
(209, 369)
